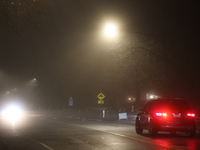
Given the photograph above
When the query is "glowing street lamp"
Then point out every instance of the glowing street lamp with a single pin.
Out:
(151, 96)
(110, 30)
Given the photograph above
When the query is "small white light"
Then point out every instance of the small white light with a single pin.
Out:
(151, 97)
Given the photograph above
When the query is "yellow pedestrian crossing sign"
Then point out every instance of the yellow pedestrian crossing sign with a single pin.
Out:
(101, 96)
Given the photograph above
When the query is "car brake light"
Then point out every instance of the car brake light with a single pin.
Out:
(164, 114)
(161, 114)
(191, 115)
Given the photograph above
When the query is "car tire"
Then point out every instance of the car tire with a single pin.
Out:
(152, 129)
(138, 127)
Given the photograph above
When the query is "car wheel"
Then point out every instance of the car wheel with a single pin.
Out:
(138, 127)
(152, 129)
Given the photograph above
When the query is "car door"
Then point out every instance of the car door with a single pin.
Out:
(145, 114)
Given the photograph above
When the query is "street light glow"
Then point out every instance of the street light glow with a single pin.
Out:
(151, 96)
(110, 30)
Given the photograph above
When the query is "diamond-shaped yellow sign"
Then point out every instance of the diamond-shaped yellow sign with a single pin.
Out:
(101, 96)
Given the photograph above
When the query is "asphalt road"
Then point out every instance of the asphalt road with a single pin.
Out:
(47, 133)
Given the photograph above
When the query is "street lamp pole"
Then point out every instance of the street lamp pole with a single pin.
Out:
(110, 31)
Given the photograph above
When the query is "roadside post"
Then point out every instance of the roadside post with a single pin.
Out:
(70, 101)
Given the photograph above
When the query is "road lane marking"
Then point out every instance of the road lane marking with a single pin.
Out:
(121, 135)
(49, 148)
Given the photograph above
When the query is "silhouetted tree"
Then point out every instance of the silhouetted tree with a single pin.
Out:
(17, 14)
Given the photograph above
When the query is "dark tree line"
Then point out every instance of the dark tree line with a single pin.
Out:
(159, 51)
(20, 14)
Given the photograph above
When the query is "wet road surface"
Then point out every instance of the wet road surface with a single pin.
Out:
(47, 133)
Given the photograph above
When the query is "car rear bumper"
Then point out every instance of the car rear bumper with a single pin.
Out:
(175, 125)
(176, 128)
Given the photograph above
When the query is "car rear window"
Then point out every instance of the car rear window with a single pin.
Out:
(170, 105)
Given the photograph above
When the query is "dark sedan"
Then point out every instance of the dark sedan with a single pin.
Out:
(166, 115)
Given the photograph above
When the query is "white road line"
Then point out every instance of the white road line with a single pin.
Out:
(49, 148)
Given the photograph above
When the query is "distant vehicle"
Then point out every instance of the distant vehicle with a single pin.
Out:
(166, 115)
(11, 113)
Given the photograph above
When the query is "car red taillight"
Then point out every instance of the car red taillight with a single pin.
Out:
(161, 114)
(190, 114)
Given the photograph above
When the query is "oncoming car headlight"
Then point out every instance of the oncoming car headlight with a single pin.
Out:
(12, 114)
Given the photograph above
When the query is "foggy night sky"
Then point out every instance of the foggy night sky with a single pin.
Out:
(67, 54)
